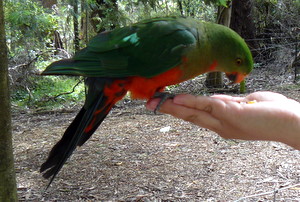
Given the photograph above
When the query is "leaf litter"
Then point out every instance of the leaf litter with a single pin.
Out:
(138, 156)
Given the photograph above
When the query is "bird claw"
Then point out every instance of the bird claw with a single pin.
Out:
(163, 97)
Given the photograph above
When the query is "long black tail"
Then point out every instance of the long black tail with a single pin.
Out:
(96, 108)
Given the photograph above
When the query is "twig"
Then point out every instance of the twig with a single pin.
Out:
(64, 51)
(65, 93)
(70, 92)
(268, 193)
(26, 64)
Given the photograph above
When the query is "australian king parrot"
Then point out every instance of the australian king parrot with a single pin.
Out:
(142, 59)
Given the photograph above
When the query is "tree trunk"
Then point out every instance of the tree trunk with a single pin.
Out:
(84, 23)
(242, 21)
(215, 79)
(179, 3)
(48, 3)
(224, 14)
(76, 25)
(58, 44)
(104, 9)
(8, 190)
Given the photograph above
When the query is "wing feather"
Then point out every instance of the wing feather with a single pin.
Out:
(144, 49)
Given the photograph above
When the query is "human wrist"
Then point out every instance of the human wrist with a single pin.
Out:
(292, 135)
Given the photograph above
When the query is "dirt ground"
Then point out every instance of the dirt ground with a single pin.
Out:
(134, 157)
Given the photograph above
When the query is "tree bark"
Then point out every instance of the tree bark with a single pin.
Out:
(48, 3)
(8, 190)
(215, 79)
(76, 25)
(179, 3)
(242, 21)
(84, 23)
(224, 14)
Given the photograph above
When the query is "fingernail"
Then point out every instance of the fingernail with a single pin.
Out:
(151, 104)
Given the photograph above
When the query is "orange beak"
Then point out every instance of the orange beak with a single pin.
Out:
(236, 77)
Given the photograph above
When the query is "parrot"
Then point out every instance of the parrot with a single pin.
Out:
(143, 59)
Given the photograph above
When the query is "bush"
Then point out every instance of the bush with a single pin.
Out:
(49, 92)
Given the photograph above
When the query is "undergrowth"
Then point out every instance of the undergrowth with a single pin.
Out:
(49, 92)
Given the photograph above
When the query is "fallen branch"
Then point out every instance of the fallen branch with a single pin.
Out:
(268, 193)
(70, 92)
(65, 93)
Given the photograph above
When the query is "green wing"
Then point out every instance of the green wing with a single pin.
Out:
(145, 49)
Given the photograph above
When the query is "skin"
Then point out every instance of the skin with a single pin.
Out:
(268, 116)
(125, 59)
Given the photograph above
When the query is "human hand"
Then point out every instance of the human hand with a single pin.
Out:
(271, 116)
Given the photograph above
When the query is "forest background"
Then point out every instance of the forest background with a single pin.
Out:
(42, 31)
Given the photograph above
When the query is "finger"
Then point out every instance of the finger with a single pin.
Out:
(203, 103)
(229, 98)
(201, 118)
(152, 104)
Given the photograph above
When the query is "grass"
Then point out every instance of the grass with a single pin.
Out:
(49, 92)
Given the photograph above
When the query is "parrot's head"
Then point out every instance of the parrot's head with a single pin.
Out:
(231, 53)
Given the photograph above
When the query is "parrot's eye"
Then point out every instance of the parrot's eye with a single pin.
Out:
(238, 61)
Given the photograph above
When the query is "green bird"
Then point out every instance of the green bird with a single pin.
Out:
(143, 59)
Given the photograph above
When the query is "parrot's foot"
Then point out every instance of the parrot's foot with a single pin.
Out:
(163, 97)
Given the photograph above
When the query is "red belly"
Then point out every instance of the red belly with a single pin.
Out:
(144, 88)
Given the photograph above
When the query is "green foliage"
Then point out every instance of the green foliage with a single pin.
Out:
(28, 25)
(111, 17)
(49, 92)
(217, 2)
(30, 30)
(142, 9)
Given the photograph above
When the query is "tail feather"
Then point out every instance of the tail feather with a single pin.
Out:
(74, 67)
(97, 106)
(59, 148)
